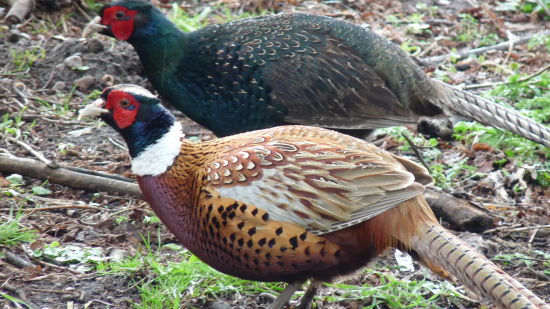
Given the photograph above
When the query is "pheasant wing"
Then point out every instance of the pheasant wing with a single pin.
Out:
(294, 69)
(320, 185)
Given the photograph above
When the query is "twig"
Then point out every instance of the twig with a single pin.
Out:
(17, 260)
(511, 39)
(521, 80)
(117, 144)
(532, 236)
(416, 152)
(544, 6)
(31, 210)
(101, 302)
(539, 274)
(96, 173)
(20, 92)
(63, 176)
(19, 292)
(35, 153)
(63, 268)
(77, 4)
(481, 50)
(517, 229)
(51, 291)
(50, 79)
(64, 24)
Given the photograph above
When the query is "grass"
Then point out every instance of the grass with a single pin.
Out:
(209, 15)
(23, 60)
(525, 6)
(531, 98)
(167, 276)
(13, 125)
(165, 283)
(394, 293)
(469, 29)
(12, 232)
(522, 260)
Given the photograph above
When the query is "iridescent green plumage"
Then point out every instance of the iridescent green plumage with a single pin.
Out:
(296, 69)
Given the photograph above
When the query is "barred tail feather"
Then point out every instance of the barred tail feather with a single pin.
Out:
(436, 246)
(493, 114)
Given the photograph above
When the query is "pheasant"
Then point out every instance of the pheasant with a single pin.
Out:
(290, 203)
(293, 69)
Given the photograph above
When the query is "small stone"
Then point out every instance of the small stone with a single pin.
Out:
(12, 37)
(73, 61)
(84, 83)
(220, 305)
(107, 80)
(6, 82)
(20, 34)
(94, 46)
(117, 255)
(58, 86)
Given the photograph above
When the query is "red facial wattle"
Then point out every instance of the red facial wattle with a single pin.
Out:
(124, 116)
(120, 20)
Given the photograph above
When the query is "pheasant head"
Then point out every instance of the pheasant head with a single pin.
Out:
(149, 129)
(126, 18)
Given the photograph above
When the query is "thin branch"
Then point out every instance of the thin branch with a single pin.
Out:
(63, 268)
(477, 51)
(31, 210)
(517, 229)
(63, 176)
(417, 152)
(544, 6)
(521, 80)
(35, 153)
(79, 8)
(96, 173)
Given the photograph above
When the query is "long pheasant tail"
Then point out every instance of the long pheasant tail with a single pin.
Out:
(493, 114)
(437, 247)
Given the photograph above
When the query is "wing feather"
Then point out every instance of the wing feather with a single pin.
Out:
(318, 183)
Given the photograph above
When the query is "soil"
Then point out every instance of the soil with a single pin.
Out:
(45, 98)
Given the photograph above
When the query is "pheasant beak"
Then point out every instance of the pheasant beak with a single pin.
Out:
(95, 26)
(94, 109)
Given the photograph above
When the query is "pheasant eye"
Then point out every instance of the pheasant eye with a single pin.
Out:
(119, 15)
(124, 103)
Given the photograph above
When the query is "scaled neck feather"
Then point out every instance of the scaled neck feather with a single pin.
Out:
(157, 158)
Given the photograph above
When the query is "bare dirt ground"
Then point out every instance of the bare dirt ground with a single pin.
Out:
(45, 96)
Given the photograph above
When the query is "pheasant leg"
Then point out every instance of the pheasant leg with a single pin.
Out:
(305, 302)
(285, 295)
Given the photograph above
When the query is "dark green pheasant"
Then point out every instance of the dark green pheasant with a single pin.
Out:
(293, 69)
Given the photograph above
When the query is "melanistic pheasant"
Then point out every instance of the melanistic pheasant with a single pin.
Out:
(290, 203)
(293, 69)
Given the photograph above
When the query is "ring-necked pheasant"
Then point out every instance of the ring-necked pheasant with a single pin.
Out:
(290, 203)
(293, 69)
